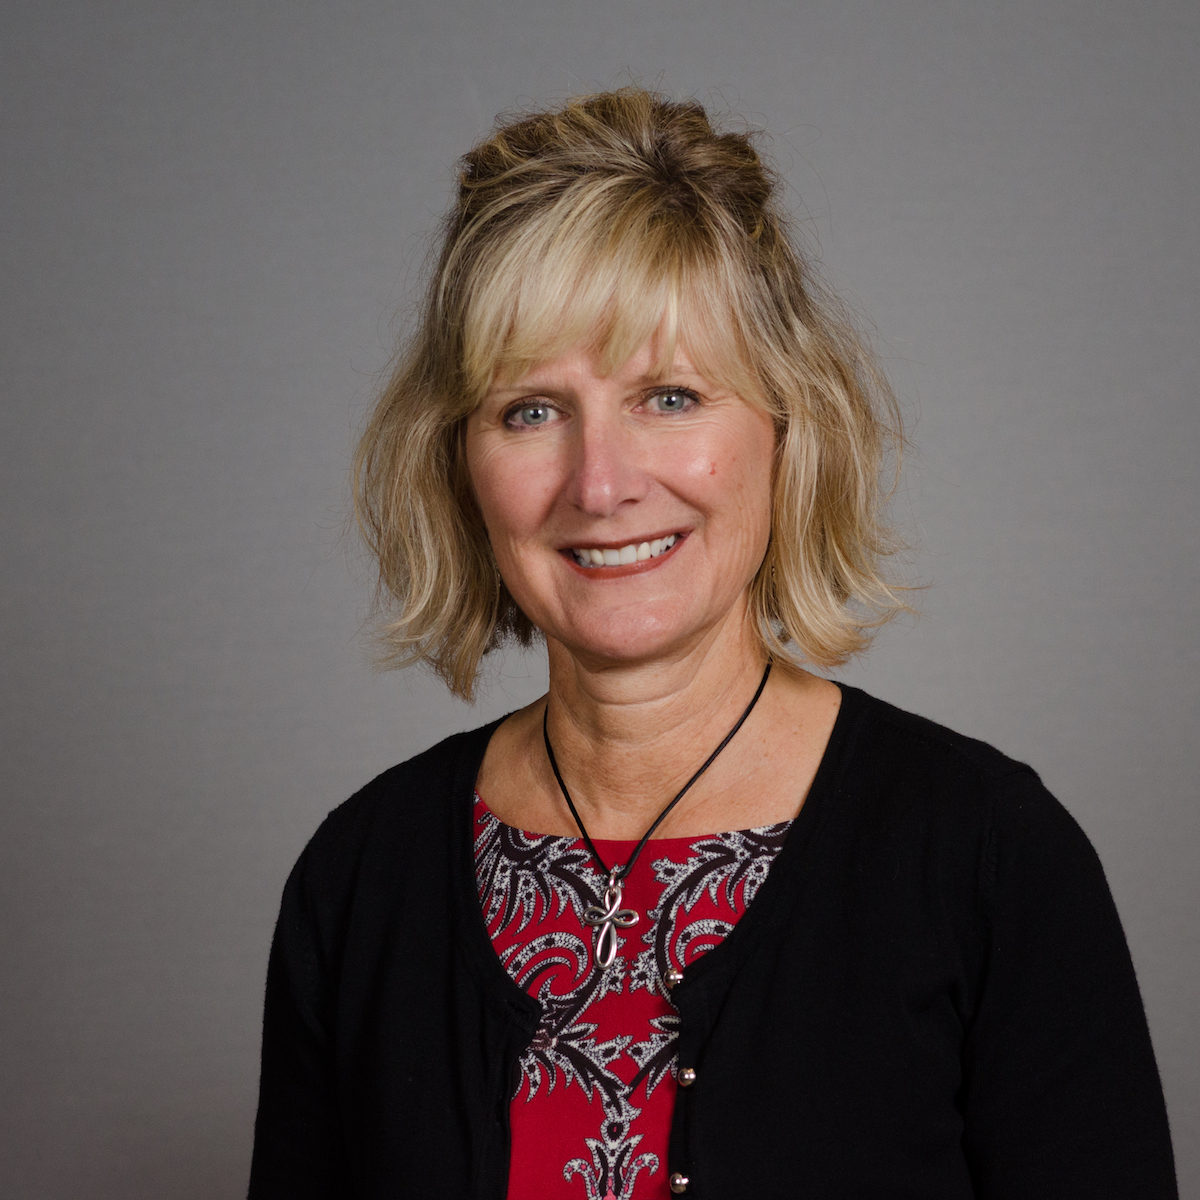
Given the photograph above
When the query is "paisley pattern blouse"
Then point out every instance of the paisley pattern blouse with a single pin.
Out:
(592, 1109)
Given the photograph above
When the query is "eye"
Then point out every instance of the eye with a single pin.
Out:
(528, 416)
(672, 400)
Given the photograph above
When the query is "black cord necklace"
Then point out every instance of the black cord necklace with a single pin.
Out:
(611, 917)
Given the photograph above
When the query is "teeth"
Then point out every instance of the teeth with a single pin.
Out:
(634, 552)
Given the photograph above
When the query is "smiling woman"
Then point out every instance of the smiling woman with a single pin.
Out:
(699, 920)
(625, 486)
(616, 228)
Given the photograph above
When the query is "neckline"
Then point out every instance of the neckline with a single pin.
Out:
(687, 840)
(770, 905)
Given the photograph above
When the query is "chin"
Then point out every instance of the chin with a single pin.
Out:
(635, 638)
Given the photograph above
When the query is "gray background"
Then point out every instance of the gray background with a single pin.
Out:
(210, 214)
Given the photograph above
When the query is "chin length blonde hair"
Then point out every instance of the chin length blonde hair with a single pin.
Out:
(608, 221)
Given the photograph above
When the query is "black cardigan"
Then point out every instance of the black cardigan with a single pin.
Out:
(929, 997)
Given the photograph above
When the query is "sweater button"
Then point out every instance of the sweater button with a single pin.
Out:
(671, 978)
(686, 1076)
(679, 1183)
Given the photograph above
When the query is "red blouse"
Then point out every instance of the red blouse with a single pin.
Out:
(592, 1110)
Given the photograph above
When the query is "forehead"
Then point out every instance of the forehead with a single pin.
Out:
(651, 363)
(669, 352)
(527, 310)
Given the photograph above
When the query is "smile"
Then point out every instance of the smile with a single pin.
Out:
(626, 555)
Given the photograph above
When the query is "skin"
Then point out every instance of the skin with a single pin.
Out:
(650, 664)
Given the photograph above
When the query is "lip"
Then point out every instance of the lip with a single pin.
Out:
(567, 553)
(632, 540)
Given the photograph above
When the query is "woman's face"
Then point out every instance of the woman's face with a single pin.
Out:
(628, 513)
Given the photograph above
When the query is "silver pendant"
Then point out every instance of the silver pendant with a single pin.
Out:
(609, 919)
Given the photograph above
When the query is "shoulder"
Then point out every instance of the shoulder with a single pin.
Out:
(405, 816)
(904, 741)
(903, 750)
(915, 772)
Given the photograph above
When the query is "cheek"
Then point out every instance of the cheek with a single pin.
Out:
(512, 495)
(738, 477)
(760, 463)
(753, 506)
(486, 473)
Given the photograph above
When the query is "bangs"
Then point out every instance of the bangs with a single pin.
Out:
(612, 224)
(606, 273)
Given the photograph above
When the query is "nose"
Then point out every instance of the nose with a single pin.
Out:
(605, 468)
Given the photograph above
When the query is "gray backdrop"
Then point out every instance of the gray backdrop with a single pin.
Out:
(211, 213)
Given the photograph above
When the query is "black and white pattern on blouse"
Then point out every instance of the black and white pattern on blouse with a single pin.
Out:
(525, 879)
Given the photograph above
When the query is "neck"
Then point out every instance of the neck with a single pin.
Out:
(628, 736)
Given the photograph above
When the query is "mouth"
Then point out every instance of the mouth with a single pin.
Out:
(593, 558)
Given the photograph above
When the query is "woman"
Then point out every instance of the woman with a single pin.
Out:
(699, 921)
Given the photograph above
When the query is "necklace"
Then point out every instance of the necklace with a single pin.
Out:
(610, 916)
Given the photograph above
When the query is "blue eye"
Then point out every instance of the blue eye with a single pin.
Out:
(674, 401)
(529, 415)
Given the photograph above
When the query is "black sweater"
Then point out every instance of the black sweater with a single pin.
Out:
(929, 997)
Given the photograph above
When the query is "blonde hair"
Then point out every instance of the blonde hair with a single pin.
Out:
(609, 220)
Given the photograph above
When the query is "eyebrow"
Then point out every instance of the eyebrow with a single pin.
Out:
(655, 379)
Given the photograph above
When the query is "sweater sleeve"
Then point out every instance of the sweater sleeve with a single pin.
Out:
(298, 1151)
(1061, 1095)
